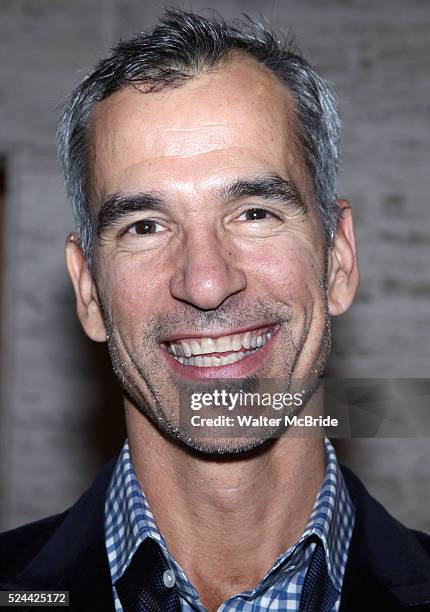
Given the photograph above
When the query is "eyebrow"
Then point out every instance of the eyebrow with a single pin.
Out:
(118, 206)
(268, 187)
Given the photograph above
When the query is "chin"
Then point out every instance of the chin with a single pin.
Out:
(237, 447)
(227, 446)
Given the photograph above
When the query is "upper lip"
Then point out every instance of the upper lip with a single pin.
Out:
(218, 334)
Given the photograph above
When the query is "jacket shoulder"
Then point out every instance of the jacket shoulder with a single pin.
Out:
(52, 551)
(18, 546)
(375, 518)
(423, 538)
(388, 563)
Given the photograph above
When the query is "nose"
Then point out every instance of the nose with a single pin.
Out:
(205, 273)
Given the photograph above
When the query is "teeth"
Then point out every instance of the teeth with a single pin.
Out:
(228, 359)
(208, 345)
(246, 340)
(186, 348)
(195, 348)
(210, 362)
(223, 344)
(237, 342)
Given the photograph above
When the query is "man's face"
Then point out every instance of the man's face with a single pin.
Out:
(210, 261)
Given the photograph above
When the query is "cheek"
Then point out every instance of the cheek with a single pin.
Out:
(134, 290)
(289, 272)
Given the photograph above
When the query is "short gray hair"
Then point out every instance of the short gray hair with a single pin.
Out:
(180, 47)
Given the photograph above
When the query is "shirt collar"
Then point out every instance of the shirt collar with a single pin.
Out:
(332, 518)
(128, 518)
(129, 521)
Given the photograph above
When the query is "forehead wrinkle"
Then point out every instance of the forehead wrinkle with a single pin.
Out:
(218, 188)
(217, 136)
(210, 124)
(188, 142)
(243, 92)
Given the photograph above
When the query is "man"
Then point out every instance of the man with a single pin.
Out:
(201, 162)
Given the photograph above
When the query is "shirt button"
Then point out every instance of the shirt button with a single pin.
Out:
(169, 579)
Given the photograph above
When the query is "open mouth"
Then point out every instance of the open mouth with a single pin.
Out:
(207, 352)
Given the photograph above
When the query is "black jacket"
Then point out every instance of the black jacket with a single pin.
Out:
(388, 565)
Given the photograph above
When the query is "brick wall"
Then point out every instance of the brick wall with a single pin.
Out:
(59, 416)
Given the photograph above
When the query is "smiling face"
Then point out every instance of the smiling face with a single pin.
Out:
(210, 258)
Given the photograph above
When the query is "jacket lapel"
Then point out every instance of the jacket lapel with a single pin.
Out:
(387, 567)
(74, 558)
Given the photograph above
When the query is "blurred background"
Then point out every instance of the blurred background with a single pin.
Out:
(60, 411)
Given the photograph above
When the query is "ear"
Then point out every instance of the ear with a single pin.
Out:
(87, 299)
(343, 275)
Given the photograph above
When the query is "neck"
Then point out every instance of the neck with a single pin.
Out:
(225, 521)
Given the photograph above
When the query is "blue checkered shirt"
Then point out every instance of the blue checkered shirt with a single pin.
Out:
(129, 521)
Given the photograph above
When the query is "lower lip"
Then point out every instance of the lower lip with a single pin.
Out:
(239, 369)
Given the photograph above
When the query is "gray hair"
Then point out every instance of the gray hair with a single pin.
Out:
(180, 47)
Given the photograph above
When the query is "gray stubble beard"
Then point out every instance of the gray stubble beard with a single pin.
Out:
(167, 421)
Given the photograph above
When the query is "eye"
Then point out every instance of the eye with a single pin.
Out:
(144, 228)
(257, 214)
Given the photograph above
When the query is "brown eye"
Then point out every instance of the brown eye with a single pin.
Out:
(256, 214)
(144, 227)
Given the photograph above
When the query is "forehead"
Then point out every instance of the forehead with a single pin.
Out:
(237, 119)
